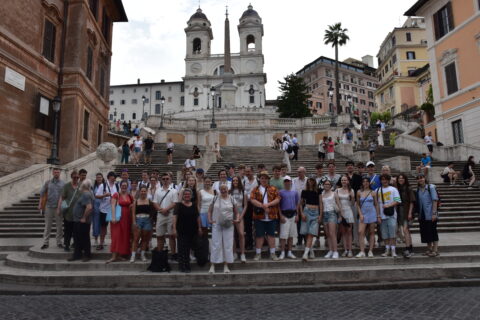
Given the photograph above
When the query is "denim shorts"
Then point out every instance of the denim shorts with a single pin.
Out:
(330, 217)
(136, 149)
(263, 228)
(144, 224)
(311, 225)
(389, 228)
(204, 220)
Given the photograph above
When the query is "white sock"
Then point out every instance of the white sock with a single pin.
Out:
(387, 247)
(272, 250)
(258, 251)
(289, 251)
(306, 250)
(283, 252)
(393, 248)
(133, 254)
(142, 253)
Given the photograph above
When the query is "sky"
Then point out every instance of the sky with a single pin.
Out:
(151, 46)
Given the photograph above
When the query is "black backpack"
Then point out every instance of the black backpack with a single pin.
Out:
(159, 261)
(289, 148)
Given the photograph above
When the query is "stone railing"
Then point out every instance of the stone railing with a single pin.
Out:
(222, 112)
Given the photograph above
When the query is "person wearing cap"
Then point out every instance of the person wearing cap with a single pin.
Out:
(374, 178)
(277, 180)
(427, 208)
(288, 217)
(265, 199)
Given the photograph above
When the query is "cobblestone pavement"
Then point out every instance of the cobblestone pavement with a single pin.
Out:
(438, 303)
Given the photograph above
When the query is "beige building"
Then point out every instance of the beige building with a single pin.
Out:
(403, 51)
(453, 35)
(357, 81)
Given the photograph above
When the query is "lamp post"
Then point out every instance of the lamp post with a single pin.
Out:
(213, 125)
(162, 102)
(350, 107)
(143, 109)
(56, 104)
(332, 120)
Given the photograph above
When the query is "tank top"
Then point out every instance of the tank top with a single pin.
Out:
(206, 201)
(143, 208)
(328, 203)
(238, 197)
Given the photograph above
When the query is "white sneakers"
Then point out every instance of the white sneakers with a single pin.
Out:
(361, 254)
(335, 255)
(257, 257)
(386, 253)
(273, 256)
(350, 254)
(282, 255)
(212, 269)
(132, 258)
(393, 253)
(370, 254)
(344, 254)
(290, 255)
(311, 255)
(243, 259)
(305, 256)
(226, 269)
(329, 255)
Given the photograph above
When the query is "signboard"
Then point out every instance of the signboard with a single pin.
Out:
(44, 105)
(14, 78)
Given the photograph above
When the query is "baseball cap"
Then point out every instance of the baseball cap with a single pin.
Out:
(200, 170)
(287, 178)
(370, 163)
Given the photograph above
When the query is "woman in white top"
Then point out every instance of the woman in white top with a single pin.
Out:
(205, 198)
(170, 146)
(222, 180)
(216, 149)
(345, 197)
(152, 189)
(380, 138)
(238, 193)
(222, 214)
(328, 216)
(137, 148)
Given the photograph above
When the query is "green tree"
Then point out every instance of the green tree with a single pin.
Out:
(293, 103)
(337, 37)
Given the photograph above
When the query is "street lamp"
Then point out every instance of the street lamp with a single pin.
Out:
(350, 107)
(143, 109)
(162, 102)
(56, 104)
(213, 125)
(332, 120)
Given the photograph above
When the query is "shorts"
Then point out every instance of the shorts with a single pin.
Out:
(263, 228)
(169, 151)
(330, 155)
(288, 229)
(311, 225)
(389, 228)
(321, 155)
(204, 220)
(330, 217)
(137, 149)
(164, 225)
(103, 219)
(144, 223)
(148, 152)
(430, 147)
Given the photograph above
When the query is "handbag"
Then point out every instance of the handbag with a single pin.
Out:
(260, 210)
(390, 211)
(118, 214)
(66, 205)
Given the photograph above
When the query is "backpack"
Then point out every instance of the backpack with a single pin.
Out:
(349, 135)
(289, 148)
(159, 261)
(439, 201)
(200, 250)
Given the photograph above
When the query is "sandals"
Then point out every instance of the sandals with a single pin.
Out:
(427, 253)
(99, 247)
(433, 254)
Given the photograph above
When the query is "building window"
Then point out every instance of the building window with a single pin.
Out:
(157, 108)
(371, 104)
(355, 99)
(382, 98)
(182, 101)
(370, 94)
(93, 4)
(451, 78)
(134, 116)
(112, 102)
(329, 83)
(319, 105)
(106, 25)
(354, 89)
(391, 93)
(146, 89)
(394, 58)
(44, 115)
(182, 87)
(457, 132)
(394, 41)
(410, 55)
(102, 82)
(122, 116)
(134, 101)
(111, 117)
(122, 101)
(197, 46)
(134, 90)
(147, 100)
(409, 36)
(49, 35)
(86, 120)
(89, 63)
(252, 99)
(158, 95)
(123, 90)
(346, 87)
(362, 91)
(195, 102)
(363, 102)
(100, 134)
(443, 21)
(411, 71)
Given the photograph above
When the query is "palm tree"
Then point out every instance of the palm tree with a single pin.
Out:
(336, 36)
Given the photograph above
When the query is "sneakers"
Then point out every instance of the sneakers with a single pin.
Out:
(350, 254)
(273, 256)
(226, 269)
(386, 253)
(243, 259)
(345, 253)
(311, 255)
(144, 259)
(290, 255)
(329, 255)
(370, 254)
(45, 246)
(282, 255)
(361, 254)
(305, 257)
(393, 254)
(132, 258)
(335, 255)
(212, 269)
(257, 257)
(192, 257)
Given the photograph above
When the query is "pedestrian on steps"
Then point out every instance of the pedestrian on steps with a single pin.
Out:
(427, 209)
(70, 194)
(286, 150)
(170, 150)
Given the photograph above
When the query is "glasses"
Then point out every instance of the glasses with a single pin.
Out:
(165, 179)
(75, 177)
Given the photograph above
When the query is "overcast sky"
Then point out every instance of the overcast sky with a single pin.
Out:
(151, 46)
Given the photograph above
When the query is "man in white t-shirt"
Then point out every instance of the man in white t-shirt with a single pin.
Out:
(190, 163)
(429, 142)
(137, 149)
(449, 174)
(286, 154)
(165, 198)
(388, 199)
(105, 192)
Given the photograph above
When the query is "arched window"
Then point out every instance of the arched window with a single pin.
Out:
(221, 70)
(197, 46)
(251, 93)
(250, 43)
(122, 116)
(134, 116)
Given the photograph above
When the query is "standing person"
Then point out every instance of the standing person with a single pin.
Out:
(449, 174)
(185, 226)
(289, 201)
(145, 182)
(125, 152)
(165, 198)
(125, 127)
(134, 189)
(81, 222)
(332, 176)
(120, 229)
(320, 178)
(330, 149)
(427, 206)
(137, 149)
(329, 218)
(95, 215)
(265, 200)
(354, 178)
(467, 173)
(389, 198)
(369, 215)
(230, 171)
(142, 210)
(380, 138)
(238, 193)
(222, 180)
(222, 214)
(170, 150)
(295, 147)
(276, 180)
(405, 211)
(216, 150)
(241, 171)
(104, 194)
(70, 194)
(322, 149)
(148, 143)
(50, 206)
(372, 147)
(286, 150)
(309, 211)
(429, 142)
(205, 198)
(136, 131)
(345, 197)
(374, 178)
(154, 185)
(298, 186)
(192, 185)
(129, 126)
(378, 124)
(200, 176)
(249, 183)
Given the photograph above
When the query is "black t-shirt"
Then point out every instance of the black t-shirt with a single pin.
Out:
(356, 182)
(148, 143)
(186, 219)
(310, 197)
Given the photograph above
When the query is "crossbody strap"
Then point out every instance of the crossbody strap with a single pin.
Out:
(361, 204)
(168, 191)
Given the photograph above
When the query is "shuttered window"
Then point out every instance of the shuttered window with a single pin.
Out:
(49, 35)
(451, 78)
(443, 21)
(106, 25)
(102, 82)
(89, 63)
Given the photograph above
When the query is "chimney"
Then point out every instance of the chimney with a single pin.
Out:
(138, 81)
(368, 60)
(162, 81)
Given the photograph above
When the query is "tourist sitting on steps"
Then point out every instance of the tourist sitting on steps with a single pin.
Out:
(449, 174)
(425, 164)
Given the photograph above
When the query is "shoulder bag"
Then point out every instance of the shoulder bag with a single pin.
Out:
(66, 205)
(260, 210)
(225, 220)
(390, 211)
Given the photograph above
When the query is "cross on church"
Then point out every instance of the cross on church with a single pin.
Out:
(226, 11)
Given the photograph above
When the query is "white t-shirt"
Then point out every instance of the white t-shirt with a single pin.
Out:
(216, 186)
(249, 185)
(138, 143)
(285, 146)
(170, 145)
(428, 140)
(447, 170)
(105, 204)
(321, 147)
(299, 185)
(390, 194)
(265, 201)
(207, 199)
(190, 163)
(170, 198)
